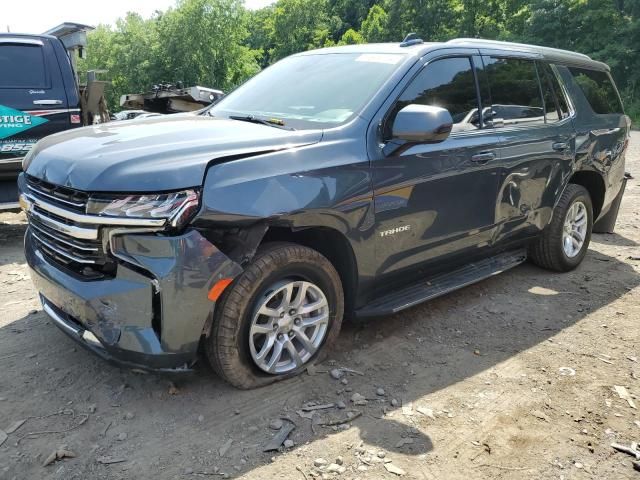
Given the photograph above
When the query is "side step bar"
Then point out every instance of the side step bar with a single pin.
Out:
(442, 284)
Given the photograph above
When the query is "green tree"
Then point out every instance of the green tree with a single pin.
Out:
(219, 43)
(127, 52)
(351, 37)
(349, 14)
(374, 27)
(572, 24)
(202, 42)
(298, 25)
(199, 42)
(491, 19)
(433, 20)
(260, 27)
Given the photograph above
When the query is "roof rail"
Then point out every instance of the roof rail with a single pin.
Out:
(499, 43)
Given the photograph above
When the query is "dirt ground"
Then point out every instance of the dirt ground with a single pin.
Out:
(510, 378)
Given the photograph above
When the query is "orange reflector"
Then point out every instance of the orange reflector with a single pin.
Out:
(218, 288)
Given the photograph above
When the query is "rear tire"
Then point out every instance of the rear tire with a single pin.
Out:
(239, 332)
(559, 248)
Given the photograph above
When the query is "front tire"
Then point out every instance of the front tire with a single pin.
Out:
(565, 241)
(279, 315)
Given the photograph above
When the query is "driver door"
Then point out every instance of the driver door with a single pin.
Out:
(435, 203)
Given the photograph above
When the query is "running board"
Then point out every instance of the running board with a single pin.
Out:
(442, 284)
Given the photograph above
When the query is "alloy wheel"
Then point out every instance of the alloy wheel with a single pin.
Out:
(574, 232)
(288, 326)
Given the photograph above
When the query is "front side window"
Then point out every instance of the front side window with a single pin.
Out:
(447, 83)
(22, 66)
(598, 89)
(515, 92)
(311, 91)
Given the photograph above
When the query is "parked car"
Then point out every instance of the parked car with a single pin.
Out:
(127, 115)
(148, 115)
(38, 97)
(333, 184)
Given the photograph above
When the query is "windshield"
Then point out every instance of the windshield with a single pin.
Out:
(310, 91)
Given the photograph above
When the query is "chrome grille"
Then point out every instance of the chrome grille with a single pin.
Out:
(63, 196)
(67, 243)
(62, 224)
(84, 257)
(86, 252)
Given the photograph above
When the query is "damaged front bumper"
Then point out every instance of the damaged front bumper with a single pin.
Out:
(151, 313)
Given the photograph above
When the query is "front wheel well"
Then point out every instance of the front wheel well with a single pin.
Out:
(595, 185)
(330, 243)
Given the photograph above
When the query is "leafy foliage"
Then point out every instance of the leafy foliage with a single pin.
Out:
(219, 43)
(199, 42)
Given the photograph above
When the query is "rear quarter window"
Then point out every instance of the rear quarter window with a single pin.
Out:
(22, 66)
(598, 89)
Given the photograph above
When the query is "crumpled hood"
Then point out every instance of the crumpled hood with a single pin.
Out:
(160, 153)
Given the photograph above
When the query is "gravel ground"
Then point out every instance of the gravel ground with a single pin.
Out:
(509, 378)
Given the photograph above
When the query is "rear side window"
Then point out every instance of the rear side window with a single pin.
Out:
(447, 83)
(550, 78)
(598, 90)
(551, 110)
(515, 92)
(22, 66)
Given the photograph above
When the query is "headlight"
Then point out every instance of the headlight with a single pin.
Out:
(177, 207)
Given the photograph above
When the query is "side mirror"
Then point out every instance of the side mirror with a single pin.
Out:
(422, 124)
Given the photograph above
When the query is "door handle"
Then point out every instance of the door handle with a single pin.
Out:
(47, 102)
(560, 146)
(483, 157)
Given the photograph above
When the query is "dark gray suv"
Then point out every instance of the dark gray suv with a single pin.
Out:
(354, 181)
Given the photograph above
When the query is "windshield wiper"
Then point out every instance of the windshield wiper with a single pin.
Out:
(271, 122)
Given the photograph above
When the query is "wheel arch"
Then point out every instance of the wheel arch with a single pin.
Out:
(594, 184)
(329, 242)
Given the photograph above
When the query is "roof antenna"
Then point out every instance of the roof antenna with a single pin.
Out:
(411, 39)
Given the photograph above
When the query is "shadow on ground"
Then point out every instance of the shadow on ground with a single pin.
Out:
(613, 239)
(411, 354)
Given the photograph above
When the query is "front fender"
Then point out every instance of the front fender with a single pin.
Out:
(324, 185)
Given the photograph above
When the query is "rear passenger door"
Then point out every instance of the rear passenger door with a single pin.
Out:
(530, 113)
